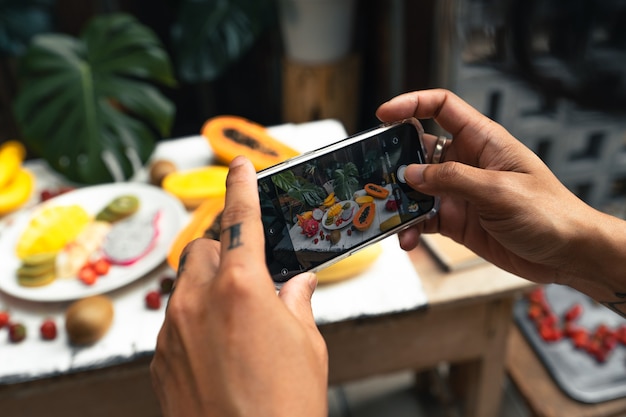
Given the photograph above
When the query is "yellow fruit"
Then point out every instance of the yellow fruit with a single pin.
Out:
(194, 186)
(330, 200)
(12, 154)
(364, 199)
(51, 229)
(17, 191)
(352, 266)
(334, 210)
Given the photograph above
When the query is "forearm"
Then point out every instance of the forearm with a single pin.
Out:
(598, 261)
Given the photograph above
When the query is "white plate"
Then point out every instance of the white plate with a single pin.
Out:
(343, 224)
(93, 199)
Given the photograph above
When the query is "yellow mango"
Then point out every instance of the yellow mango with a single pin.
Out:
(17, 191)
(12, 155)
(51, 228)
(193, 186)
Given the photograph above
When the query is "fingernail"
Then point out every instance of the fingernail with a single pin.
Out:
(237, 161)
(312, 281)
(414, 174)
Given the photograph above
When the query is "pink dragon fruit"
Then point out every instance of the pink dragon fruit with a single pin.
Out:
(310, 227)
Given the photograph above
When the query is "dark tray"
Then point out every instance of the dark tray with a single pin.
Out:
(577, 373)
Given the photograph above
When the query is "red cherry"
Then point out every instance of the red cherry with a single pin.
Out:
(48, 330)
(153, 300)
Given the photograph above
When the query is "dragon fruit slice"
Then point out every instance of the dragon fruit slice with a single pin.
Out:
(131, 239)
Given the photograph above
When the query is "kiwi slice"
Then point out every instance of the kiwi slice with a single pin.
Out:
(38, 280)
(119, 208)
(34, 271)
(40, 259)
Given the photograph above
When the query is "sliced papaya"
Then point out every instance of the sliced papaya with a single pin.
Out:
(376, 190)
(193, 186)
(230, 136)
(364, 217)
(202, 219)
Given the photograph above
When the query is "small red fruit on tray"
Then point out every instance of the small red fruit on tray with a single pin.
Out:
(48, 329)
(598, 343)
(153, 300)
(17, 332)
(4, 318)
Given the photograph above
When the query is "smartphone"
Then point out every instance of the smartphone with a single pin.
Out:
(324, 205)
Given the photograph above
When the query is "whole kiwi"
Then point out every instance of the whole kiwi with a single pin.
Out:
(88, 319)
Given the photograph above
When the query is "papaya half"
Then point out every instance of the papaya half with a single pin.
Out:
(202, 220)
(364, 217)
(230, 136)
(376, 190)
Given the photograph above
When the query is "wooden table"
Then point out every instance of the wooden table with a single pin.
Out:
(466, 325)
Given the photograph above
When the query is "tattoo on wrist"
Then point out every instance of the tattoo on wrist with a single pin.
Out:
(235, 236)
(619, 306)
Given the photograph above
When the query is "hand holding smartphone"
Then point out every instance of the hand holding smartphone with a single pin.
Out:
(324, 205)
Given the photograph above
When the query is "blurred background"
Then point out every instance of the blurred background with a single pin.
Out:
(552, 71)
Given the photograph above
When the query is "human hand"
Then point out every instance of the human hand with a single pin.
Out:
(229, 345)
(497, 197)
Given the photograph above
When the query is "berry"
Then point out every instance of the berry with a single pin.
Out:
(46, 195)
(17, 332)
(48, 330)
(4, 318)
(87, 275)
(574, 312)
(153, 300)
(101, 266)
(166, 285)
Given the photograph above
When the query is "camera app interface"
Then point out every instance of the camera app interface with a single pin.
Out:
(326, 206)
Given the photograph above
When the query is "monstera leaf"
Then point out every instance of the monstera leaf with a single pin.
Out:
(90, 106)
(209, 35)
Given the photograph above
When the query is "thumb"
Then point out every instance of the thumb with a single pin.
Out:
(297, 293)
(453, 179)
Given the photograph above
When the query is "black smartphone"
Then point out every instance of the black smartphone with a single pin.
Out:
(324, 205)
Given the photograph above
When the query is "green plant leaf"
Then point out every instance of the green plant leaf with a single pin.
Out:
(346, 181)
(209, 35)
(90, 106)
(299, 188)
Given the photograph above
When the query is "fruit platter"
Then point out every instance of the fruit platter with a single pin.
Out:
(88, 241)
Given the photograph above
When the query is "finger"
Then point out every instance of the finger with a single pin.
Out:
(242, 241)
(475, 185)
(429, 144)
(449, 111)
(198, 263)
(296, 294)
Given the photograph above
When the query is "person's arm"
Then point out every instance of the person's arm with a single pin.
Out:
(500, 200)
(229, 345)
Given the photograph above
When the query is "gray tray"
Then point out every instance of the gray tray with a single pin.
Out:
(577, 373)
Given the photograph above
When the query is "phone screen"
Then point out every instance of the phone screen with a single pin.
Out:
(335, 201)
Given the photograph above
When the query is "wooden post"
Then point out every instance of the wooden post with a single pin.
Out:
(325, 91)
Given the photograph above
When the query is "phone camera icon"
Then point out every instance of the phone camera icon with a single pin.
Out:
(395, 140)
(284, 272)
